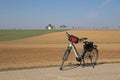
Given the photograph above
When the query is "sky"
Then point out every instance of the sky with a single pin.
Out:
(36, 14)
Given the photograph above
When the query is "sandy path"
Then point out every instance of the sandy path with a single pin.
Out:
(102, 71)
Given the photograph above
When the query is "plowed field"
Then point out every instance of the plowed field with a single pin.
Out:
(48, 49)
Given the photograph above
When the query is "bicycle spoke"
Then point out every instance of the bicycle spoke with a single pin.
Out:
(91, 56)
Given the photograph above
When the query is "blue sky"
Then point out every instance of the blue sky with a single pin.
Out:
(39, 13)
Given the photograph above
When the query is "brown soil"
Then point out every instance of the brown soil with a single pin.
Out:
(47, 50)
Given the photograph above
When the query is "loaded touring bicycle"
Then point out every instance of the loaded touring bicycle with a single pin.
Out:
(89, 52)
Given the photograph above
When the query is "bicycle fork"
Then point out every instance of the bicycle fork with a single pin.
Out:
(68, 50)
(70, 47)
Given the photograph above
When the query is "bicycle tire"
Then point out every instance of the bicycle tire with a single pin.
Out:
(92, 56)
(66, 54)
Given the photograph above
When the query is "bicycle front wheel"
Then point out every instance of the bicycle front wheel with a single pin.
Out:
(66, 54)
(91, 56)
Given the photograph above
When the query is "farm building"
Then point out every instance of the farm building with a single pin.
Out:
(49, 27)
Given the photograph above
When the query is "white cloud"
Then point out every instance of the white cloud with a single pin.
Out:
(90, 18)
(105, 2)
(95, 14)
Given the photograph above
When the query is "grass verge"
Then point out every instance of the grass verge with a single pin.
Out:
(6, 35)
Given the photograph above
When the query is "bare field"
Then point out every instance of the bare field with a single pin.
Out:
(48, 49)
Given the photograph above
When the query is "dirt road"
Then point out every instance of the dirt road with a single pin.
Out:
(100, 72)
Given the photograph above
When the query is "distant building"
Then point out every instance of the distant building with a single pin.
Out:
(49, 27)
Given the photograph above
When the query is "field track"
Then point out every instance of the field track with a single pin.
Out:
(48, 49)
(102, 71)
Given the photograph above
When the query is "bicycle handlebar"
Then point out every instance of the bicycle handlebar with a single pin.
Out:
(80, 39)
(67, 33)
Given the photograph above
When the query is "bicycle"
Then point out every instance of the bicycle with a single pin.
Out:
(88, 53)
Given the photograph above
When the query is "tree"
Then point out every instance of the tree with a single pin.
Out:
(63, 27)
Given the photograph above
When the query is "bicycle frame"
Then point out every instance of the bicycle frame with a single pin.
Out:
(77, 55)
(72, 46)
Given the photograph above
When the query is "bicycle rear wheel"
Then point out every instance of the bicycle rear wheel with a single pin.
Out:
(91, 56)
(66, 54)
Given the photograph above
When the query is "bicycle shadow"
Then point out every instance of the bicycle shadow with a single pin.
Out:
(73, 66)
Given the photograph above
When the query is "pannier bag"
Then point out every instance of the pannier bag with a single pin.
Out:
(73, 39)
(88, 45)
